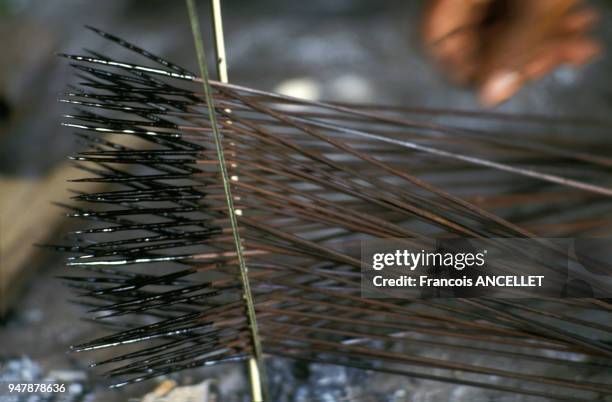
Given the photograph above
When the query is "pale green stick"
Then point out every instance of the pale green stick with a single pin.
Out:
(256, 365)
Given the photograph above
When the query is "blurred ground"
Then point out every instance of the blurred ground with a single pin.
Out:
(349, 50)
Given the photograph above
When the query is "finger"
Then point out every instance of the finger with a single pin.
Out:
(575, 51)
(457, 54)
(443, 18)
(504, 83)
(579, 51)
(500, 86)
(543, 63)
(578, 21)
(451, 37)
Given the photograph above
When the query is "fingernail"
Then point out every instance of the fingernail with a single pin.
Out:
(500, 87)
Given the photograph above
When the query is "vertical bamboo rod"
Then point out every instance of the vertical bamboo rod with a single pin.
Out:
(219, 41)
(221, 63)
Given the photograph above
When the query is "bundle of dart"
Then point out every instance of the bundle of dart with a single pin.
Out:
(228, 224)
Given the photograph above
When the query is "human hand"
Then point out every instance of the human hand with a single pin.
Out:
(500, 45)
